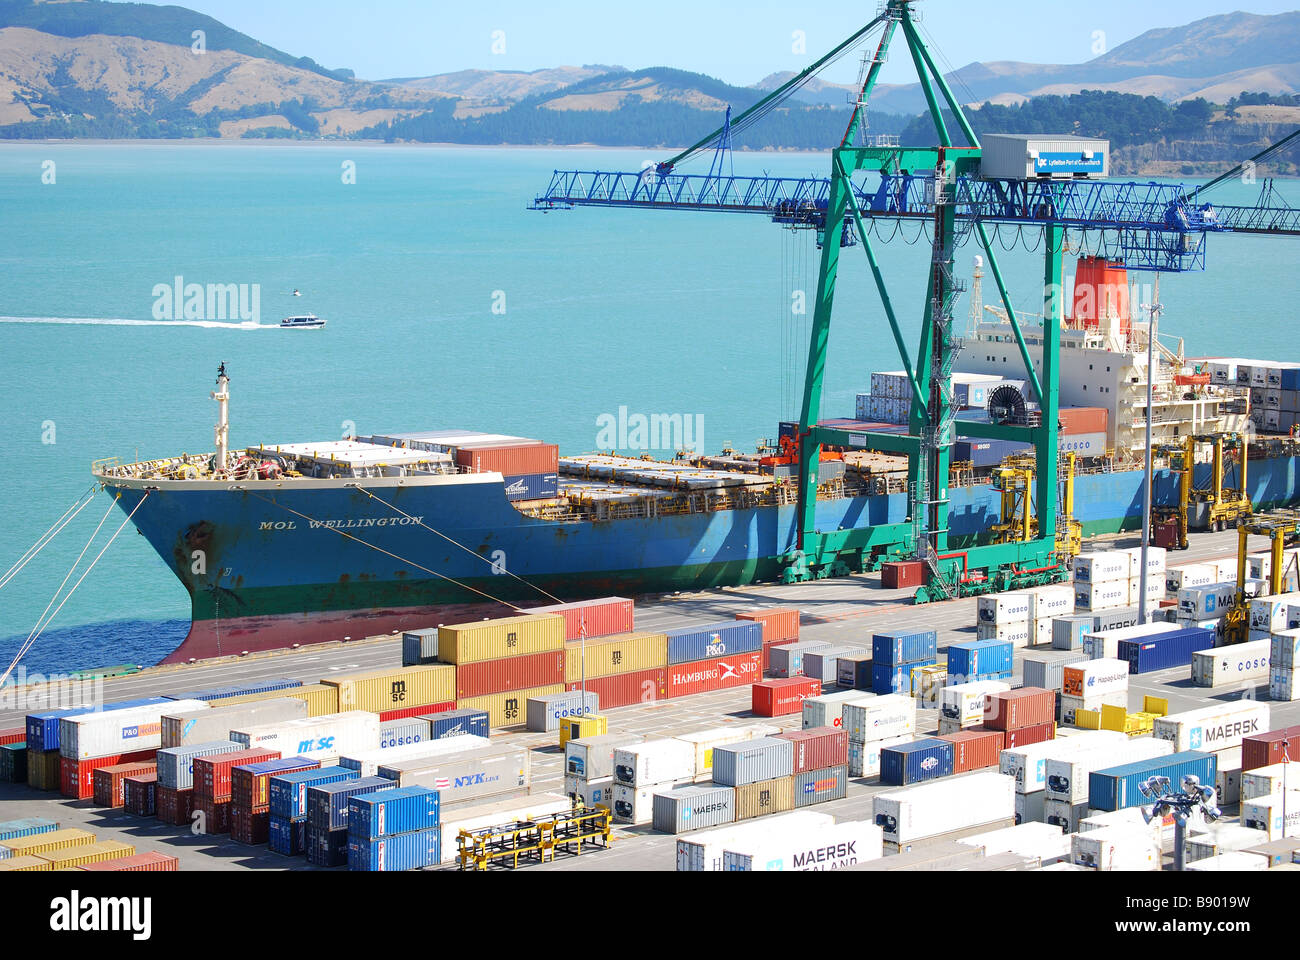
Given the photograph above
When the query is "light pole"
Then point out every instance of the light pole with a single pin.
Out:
(1182, 805)
(1146, 497)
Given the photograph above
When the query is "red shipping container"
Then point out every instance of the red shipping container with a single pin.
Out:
(152, 862)
(509, 673)
(1075, 420)
(250, 826)
(1024, 707)
(77, 777)
(600, 618)
(405, 712)
(767, 652)
(140, 794)
(975, 749)
(510, 459)
(626, 689)
(107, 782)
(215, 817)
(13, 735)
(1034, 733)
(779, 623)
(1265, 749)
(783, 696)
(175, 806)
(900, 574)
(703, 676)
(249, 791)
(212, 775)
(818, 747)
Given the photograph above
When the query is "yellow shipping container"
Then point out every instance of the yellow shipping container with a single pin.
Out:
(322, 698)
(381, 690)
(498, 639)
(18, 864)
(40, 843)
(624, 653)
(575, 728)
(764, 797)
(88, 853)
(508, 709)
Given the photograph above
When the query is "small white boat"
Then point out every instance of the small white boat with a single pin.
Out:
(308, 320)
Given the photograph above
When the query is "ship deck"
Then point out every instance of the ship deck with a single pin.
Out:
(844, 611)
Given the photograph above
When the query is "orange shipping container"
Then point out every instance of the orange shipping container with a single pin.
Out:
(108, 781)
(483, 677)
(625, 689)
(779, 623)
(1076, 420)
(510, 459)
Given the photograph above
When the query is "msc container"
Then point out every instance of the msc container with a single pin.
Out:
(703, 676)
(1119, 847)
(864, 758)
(379, 690)
(591, 618)
(915, 762)
(463, 722)
(778, 698)
(765, 797)
(880, 718)
(692, 808)
(484, 677)
(976, 657)
(1028, 764)
(943, 806)
(1164, 650)
(116, 732)
(1266, 749)
(287, 792)
(704, 741)
(964, 702)
(392, 811)
(780, 624)
(706, 642)
(466, 776)
(407, 851)
(609, 656)
(904, 646)
(546, 713)
(625, 689)
(592, 758)
(787, 660)
(1213, 728)
(827, 709)
(494, 639)
(1102, 566)
(1118, 787)
(209, 724)
(1095, 678)
(327, 803)
(974, 749)
(805, 847)
(1066, 776)
(740, 764)
(817, 748)
(317, 738)
(1023, 707)
(1047, 670)
(420, 647)
(1234, 664)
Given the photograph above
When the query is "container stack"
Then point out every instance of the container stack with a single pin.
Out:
(397, 694)
(786, 661)
(874, 724)
(140, 794)
(1027, 765)
(780, 627)
(1091, 685)
(1104, 644)
(185, 727)
(976, 660)
(1284, 663)
(589, 767)
(703, 743)
(962, 706)
(1005, 617)
(174, 796)
(1102, 581)
(762, 773)
(395, 829)
(1197, 606)
(287, 823)
(1219, 731)
(367, 764)
(642, 769)
(714, 656)
(932, 811)
(323, 738)
(1118, 787)
(622, 669)
(476, 774)
(108, 782)
(250, 799)
(107, 738)
(1069, 633)
(897, 654)
(326, 833)
(1065, 784)
(13, 762)
(1023, 716)
(213, 785)
(1046, 603)
(500, 664)
(821, 772)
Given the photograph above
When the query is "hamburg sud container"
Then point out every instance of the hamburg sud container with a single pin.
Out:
(781, 697)
(1164, 650)
(591, 618)
(181, 728)
(619, 654)
(787, 661)
(466, 776)
(974, 749)
(1232, 664)
(388, 812)
(1027, 706)
(692, 808)
(318, 738)
(458, 723)
(824, 664)
(592, 758)
(1118, 787)
(915, 762)
(117, 732)
(495, 639)
(740, 764)
(904, 646)
(931, 809)
(288, 791)
(656, 761)
(804, 847)
(484, 677)
(708, 641)
(1215, 728)
(818, 748)
(974, 658)
(703, 676)
(407, 851)
(879, 718)
(546, 713)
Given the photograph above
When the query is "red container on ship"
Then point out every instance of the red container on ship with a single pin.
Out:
(216, 814)
(107, 782)
(818, 747)
(1024, 707)
(250, 826)
(510, 459)
(13, 735)
(975, 749)
(77, 777)
(720, 673)
(424, 711)
(212, 775)
(251, 791)
(1265, 749)
(1024, 736)
(783, 696)
(1075, 420)
(599, 618)
(141, 862)
(626, 689)
(140, 794)
(900, 574)
(174, 806)
(779, 623)
(509, 673)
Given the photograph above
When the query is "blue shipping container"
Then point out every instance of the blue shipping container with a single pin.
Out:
(385, 813)
(986, 453)
(977, 657)
(895, 679)
(1118, 787)
(288, 791)
(238, 690)
(405, 851)
(714, 640)
(327, 803)
(465, 722)
(1290, 378)
(916, 762)
(287, 837)
(176, 764)
(1164, 650)
(533, 486)
(26, 827)
(326, 848)
(43, 728)
(904, 646)
(399, 733)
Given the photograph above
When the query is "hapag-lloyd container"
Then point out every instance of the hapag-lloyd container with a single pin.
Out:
(1027, 765)
(704, 742)
(182, 728)
(964, 702)
(656, 761)
(817, 748)
(1117, 787)
(1095, 678)
(592, 618)
(864, 758)
(1003, 608)
(1215, 728)
(407, 851)
(896, 647)
(546, 713)
(692, 808)
(805, 847)
(702, 676)
(318, 738)
(703, 852)
(779, 623)
(1233, 664)
(592, 758)
(625, 689)
(740, 764)
(117, 731)
(1067, 776)
(327, 803)
(787, 661)
(494, 639)
(931, 809)
(974, 749)
(780, 697)
(367, 763)
(388, 812)
(879, 718)
(713, 640)
(466, 776)
(176, 764)
(1023, 707)
(915, 762)
(288, 791)
(609, 656)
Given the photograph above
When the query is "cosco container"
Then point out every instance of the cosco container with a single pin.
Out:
(546, 713)
(703, 852)
(1095, 678)
(367, 763)
(471, 775)
(740, 764)
(817, 748)
(703, 676)
(392, 811)
(1102, 566)
(408, 851)
(931, 809)
(494, 639)
(787, 660)
(964, 702)
(403, 732)
(116, 732)
(1238, 663)
(327, 803)
(591, 618)
(915, 762)
(879, 718)
(807, 847)
(904, 646)
(1067, 775)
(1110, 595)
(1164, 650)
(318, 738)
(1017, 634)
(1050, 600)
(206, 725)
(592, 758)
(1219, 727)
(703, 743)
(975, 657)
(1190, 575)
(708, 641)
(692, 808)
(458, 723)
(485, 677)
(780, 697)
(609, 656)
(827, 709)
(1117, 787)
(288, 791)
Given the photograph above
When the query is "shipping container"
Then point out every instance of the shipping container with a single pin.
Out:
(26, 827)
(904, 646)
(864, 758)
(704, 741)
(613, 655)
(659, 761)
(13, 762)
(1263, 781)
(117, 731)
(13, 735)
(1011, 608)
(806, 847)
(781, 697)
(88, 853)
(392, 811)
(824, 664)
(327, 803)
(1213, 728)
(1117, 787)
(964, 702)
(1027, 764)
(976, 657)
(603, 617)
(1283, 648)
(1024, 736)
(692, 808)
(590, 793)
(420, 647)
(764, 797)
(827, 709)
(787, 660)
(575, 728)
(818, 748)
(403, 732)
(1047, 669)
(780, 624)
(107, 782)
(238, 690)
(408, 851)
(1096, 678)
(287, 837)
(592, 758)
(1276, 816)
(321, 698)
(174, 806)
(511, 459)
(379, 690)
(317, 738)
(1116, 848)
(151, 862)
(1239, 663)
(1066, 776)
(879, 718)
(1190, 575)
(213, 773)
(43, 769)
(821, 785)
(635, 805)
(1265, 749)
(1076, 420)
(1041, 841)
(495, 639)
(461, 722)
(1023, 707)
(944, 806)
(77, 777)
(1165, 650)
(544, 713)
(47, 841)
(703, 851)
(898, 678)
(1094, 597)
(250, 783)
(1102, 566)
(210, 724)
(1213, 601)
(902, 574)
(288, 791)
(974, 749)
(728, 638)
(140, 793)
(915, 762)
(1227, 776)
(42, 729)
(854, 670)
(326, 848)
(510, 709)
(475, 774)
(704, 676)
(484, 677)
(1283, 684)
(740, 764)
(176, 764)
(628, 689)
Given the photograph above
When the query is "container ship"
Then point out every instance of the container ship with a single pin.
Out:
(300, 543)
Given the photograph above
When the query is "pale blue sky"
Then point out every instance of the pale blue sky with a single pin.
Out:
(739, 42)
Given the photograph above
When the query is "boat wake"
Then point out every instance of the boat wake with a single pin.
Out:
(123, 322)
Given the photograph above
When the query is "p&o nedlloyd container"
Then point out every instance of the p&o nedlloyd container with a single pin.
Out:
(880, 718)
(943, 806)
(592, 758)
(827, 709)
(317, 738)
(1067, 776)
(656, 761)
(117, 731)
(1213, 728)
(703, 852)
(740, 764)
(692, 808)
(1233, 664)
(813, 847)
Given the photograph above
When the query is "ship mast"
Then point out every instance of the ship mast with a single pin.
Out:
(222, 429)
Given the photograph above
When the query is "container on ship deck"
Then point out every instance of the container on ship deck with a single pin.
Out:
(495, 639)
(609, 656)
(511, 459)
(605, 617)
(1074, 420)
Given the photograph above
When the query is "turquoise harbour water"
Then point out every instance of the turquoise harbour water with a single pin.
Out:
(657, 312)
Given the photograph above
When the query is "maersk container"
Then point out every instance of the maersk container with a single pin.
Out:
(420, 647)
(116, 732)
(590, 792)
(880, 718)
(1165, 650)
(1102, 566)
(964, 702)
(318, 738)
(458, 723)
(864, 758)
(915, 647)
(592, 758)
(705, 642)
(327, 803)
(176, 764)
(693, 808)
(915, 762)
(1117, 787)
(1238, 663)
(1067, 776)
(657, 761)
(1119, 847)
(368, 762)
(1027, 765)
(824, 664)
(26, 827)
(739, 764)
(787, 660)
(897, 678)
(810, 847)
(1265, 814)
(407, 851)
(1213, 728)
(471, 775)
(388, 812)
(854, 670)
(288, 791)
(43, 728)
(976, 657)
(703, 852)
(205, 725)
(956, 803)
(400, 733)
(1269, 614)
(1213, 600)
(545, 714)
(827, 709)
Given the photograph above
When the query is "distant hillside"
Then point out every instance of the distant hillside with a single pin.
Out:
(503, 85)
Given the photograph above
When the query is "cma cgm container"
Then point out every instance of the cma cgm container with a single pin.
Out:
(703, 676)
(827, 709)
(591, 618)
(1164, 650)
(626, 689)
(787, 660)
(618, 654)
(980, 657)
(494, 639)
(904, 646)
(1215, 728)
(388, 812)
(780, 624)
(288, 791)
(778, 698)
(1118, 787)
(458, 723)
(708, 641)
(407, 851)
(915, 762)
(692, 808)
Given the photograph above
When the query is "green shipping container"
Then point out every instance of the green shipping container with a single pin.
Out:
(13, 763)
